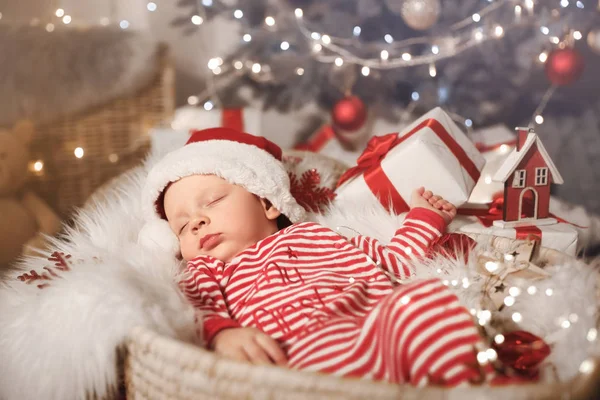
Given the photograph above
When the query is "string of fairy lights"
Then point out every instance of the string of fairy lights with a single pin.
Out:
(390, 53)
(472, 31)
(463, 35)
(499, 263)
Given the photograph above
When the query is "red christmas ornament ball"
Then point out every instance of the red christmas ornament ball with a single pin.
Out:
(349, 114)
(523, 352)
(564, 66)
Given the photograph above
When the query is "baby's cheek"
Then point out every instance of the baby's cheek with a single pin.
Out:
(185, 249)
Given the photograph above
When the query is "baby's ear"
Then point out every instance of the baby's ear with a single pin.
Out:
(271, 212)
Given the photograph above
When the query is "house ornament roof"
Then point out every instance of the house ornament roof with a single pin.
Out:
(515, 158)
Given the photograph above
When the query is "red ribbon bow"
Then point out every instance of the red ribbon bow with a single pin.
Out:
(369, 164)
(376, 150)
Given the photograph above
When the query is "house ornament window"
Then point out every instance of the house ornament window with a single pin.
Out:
(519, 178)
(541, 176)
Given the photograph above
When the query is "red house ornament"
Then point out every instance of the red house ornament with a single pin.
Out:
(527, 174)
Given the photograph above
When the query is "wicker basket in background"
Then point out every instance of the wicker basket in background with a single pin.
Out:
(114, 138)
(158, 367)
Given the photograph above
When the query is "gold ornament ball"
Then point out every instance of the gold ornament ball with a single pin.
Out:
(593, 40)
(420, 14)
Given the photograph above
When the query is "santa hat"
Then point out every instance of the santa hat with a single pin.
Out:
(240, 158)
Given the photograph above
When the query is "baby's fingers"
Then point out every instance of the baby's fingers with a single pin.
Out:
(272, 349)
(236, 354)
(451, 212)
(441, 204)
(419, 191)
(434, 199)
(256, 354)
(448, 206)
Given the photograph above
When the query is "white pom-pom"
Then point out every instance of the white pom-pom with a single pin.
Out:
(158, 234)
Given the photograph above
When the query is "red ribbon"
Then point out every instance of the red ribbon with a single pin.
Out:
(369, 164)
(317, 141)
(489, 215)
(529, 232)
(233, 118)
(485, 148)
(494, 213)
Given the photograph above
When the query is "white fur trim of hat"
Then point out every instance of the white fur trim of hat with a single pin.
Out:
(242, 159)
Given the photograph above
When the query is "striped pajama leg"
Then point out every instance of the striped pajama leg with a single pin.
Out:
(418, 334)
(427, 337)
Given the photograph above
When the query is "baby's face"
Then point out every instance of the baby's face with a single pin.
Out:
(212, 217)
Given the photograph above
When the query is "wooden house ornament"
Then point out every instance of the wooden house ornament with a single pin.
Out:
(527, 174)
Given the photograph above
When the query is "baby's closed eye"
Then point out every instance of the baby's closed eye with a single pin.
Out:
(215, 200)
(182, 228)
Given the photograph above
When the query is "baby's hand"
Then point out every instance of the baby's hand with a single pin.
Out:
(250, 345)
(426, 199)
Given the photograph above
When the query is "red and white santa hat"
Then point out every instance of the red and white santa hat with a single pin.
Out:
(242, 159)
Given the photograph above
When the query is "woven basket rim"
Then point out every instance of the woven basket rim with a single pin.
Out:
(187, 356)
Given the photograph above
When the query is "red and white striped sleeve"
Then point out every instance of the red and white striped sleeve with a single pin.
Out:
(420, 229)
(202, 289)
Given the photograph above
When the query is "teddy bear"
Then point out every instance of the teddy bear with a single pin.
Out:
(24, 217)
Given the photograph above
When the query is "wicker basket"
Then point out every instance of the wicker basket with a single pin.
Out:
(114, 138)
(162, 368)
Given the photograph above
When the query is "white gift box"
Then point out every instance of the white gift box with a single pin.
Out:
(587, 224)
(432, 152)
(244, 119)
(559, 236)
(187, 119)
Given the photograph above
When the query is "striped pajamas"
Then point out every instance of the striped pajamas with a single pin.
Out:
(332, 307)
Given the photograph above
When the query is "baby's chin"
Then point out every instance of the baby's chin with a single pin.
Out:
(217, 255)
(225, 251)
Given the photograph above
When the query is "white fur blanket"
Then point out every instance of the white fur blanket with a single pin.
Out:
(60, 342)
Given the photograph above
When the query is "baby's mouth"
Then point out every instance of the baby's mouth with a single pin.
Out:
(207, 242)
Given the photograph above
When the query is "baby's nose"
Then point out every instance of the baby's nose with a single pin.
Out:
(200, 222)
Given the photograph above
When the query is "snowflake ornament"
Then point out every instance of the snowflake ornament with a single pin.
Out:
(308, 192)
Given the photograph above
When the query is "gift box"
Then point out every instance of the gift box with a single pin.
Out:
(167, 138)
(586, 223)
(324, 141)
(561, 236)
(495, 144)
(242, 119)
(432, 152)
